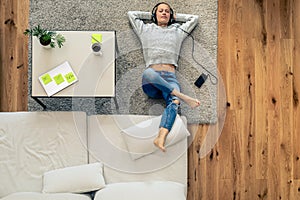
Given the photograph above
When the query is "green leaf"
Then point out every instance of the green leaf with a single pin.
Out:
(45, 35)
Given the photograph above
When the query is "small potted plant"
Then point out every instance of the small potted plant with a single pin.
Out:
(46, 38)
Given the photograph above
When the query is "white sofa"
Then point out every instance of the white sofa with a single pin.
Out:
(72, 156)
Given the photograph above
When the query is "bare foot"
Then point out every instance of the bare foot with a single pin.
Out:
(160, 142)
(191, 101)
(187, 99)
(161, 139)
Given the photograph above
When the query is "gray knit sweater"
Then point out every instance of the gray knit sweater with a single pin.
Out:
(161, 45)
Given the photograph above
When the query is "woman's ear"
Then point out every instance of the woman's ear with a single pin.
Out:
(153, 16)
(174, 16)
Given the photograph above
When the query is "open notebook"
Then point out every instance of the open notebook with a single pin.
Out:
(58, 78)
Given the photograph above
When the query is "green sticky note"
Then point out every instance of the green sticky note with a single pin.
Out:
(58, 79)
(70, 77)
(46, 79)
(96, 37)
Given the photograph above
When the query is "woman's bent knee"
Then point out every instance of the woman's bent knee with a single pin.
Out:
(176, 101)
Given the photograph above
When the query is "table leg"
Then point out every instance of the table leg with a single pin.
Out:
(40, 102)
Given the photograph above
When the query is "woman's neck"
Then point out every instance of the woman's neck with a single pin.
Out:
(162, 25)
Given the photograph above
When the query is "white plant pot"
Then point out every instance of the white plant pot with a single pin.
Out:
(46, 46)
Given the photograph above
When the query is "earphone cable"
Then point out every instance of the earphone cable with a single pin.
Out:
(193, 56)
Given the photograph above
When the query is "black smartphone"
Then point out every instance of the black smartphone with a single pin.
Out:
(201, 79)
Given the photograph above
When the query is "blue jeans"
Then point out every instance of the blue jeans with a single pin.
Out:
(160, 84)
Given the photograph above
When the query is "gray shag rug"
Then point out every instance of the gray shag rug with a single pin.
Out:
(111, 15)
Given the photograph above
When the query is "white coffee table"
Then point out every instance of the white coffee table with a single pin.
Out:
(96, 74)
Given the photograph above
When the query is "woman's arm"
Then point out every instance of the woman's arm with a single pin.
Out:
(136, 19)
(189, 21)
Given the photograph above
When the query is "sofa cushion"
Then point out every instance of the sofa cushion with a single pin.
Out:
(32, 143)
(40, 196)
(139, 137)
(76, 179)
(165, 190)
(105, 136)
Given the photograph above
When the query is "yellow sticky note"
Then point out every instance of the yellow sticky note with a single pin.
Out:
(59, 79)
(96, 37)
(70, 77)
(46, 79)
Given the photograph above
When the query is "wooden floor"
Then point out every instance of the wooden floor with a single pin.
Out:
(14, 16)
(258, 153)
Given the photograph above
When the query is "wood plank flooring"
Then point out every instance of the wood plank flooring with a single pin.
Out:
(13, 55)
(258, 153)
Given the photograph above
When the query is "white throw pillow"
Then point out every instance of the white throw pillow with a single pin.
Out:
(139, 137)
(152, 190)
(76, 179)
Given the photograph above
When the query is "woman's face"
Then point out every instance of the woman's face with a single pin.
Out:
(163, 15)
